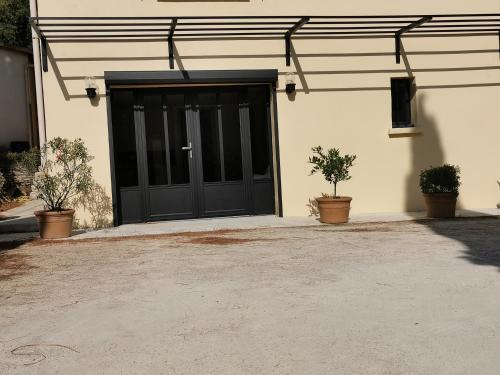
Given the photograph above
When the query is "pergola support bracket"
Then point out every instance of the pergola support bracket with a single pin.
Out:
(398, 48)
(405, 29)
(288, 38)
(43, 50)
(171, 43)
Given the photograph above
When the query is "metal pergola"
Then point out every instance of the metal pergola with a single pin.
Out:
(261, 27)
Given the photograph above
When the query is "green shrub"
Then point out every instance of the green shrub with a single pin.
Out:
(18, 178)
(29, 160)
(333, 166)
(65, 172)
(444, 179)
(2, 184)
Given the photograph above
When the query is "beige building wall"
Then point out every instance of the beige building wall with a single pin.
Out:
(14, 111)
(343, 97)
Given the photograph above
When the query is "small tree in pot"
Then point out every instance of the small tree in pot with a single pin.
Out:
(439, 186)
(65, 173)
(335, 168)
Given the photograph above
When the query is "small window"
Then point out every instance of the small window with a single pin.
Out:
(401, 92)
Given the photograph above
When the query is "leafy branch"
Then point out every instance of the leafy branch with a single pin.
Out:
(333, 166)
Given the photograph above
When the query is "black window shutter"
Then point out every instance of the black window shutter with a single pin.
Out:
(401, 102)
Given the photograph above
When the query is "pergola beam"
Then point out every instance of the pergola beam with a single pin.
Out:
(288, 38)
(405, 29)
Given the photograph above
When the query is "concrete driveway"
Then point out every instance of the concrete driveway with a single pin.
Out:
(398, 298)
(20, 219)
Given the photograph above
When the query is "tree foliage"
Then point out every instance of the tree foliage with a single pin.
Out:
(333, 166)
(14, 25)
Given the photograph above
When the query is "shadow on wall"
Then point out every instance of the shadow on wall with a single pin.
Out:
(426, 150)
(312, 206)
(296, 56)
(98, 205)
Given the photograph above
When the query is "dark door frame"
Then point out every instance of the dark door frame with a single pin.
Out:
(194, 78)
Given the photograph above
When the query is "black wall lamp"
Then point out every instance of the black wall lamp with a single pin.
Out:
(290, 83)
(91, 87)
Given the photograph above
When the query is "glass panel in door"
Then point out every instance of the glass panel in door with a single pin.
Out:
(231, 136)
(220, 137)
(210, 138)
(122, 102)
(155, 139)
(178, 142)
(259, 133)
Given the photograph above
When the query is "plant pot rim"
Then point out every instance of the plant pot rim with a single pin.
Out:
(334, 199)
(64, 212)
(440, 194)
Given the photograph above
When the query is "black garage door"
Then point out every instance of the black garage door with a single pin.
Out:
(192, 152)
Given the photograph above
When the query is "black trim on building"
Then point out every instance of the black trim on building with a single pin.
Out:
(255, 27)
(277, 150)
(114, 191)
(191, 77)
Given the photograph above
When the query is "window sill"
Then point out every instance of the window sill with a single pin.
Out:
(401, 132)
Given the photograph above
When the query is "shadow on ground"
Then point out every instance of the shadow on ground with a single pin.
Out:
(481, 237)
(17, 224)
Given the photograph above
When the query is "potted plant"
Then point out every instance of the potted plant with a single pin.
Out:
(439, 186)
(65, 173)
(335, 168)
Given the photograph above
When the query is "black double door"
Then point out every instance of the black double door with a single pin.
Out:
(192, 152)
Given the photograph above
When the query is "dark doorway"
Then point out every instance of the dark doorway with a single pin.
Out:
(192, 152)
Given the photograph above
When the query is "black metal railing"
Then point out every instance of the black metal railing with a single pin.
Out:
(255, 27)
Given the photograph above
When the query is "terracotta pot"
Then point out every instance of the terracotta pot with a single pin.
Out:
(441, 205)
(334, 210)
(55, 224)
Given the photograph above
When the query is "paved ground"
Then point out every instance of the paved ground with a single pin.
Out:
(21, 223)
(399, 298)
(20, 219)
(263, 221)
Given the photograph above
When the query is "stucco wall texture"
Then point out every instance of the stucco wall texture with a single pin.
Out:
(343, 95)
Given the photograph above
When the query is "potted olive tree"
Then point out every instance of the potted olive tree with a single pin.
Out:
(335, 168)
(439, 186)
(65, 173)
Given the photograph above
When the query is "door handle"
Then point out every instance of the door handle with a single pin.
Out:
(188, 148)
